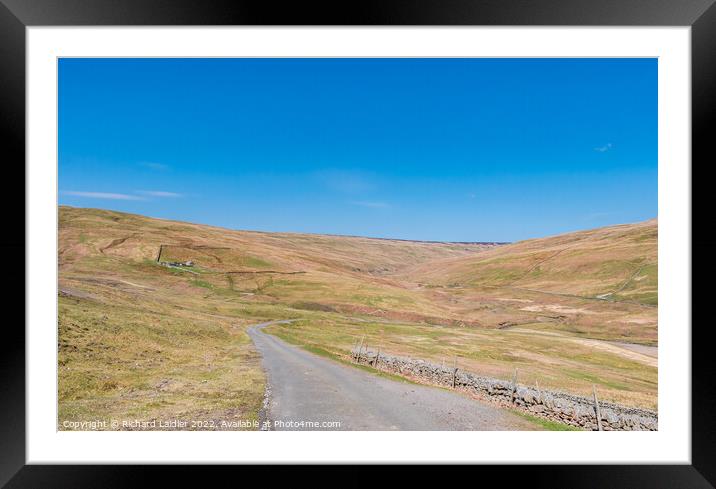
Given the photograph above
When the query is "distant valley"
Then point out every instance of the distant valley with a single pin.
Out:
(153, 314)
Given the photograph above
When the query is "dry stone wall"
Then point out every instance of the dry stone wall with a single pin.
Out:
(557, 406)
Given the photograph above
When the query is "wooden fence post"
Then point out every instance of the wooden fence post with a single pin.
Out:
(360, 347)
(514, 385)
(539, 392)
(454, 372)
(380, 345)
(159, 255)
(354, 353)
(597, 411)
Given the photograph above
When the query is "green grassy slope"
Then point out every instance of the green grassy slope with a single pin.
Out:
(137, 338)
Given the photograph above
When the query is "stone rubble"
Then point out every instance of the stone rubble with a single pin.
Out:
(557, 406)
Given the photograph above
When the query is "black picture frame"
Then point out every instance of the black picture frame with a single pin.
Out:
(16, 15)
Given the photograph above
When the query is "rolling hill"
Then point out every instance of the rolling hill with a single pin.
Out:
(615, 263)
(141, 334)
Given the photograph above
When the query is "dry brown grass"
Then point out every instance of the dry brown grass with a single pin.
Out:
(144, 340)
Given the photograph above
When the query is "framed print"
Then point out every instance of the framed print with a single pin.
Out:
(415, 235)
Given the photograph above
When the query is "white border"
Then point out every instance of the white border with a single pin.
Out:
(671, 444)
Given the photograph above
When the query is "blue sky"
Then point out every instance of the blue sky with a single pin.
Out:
(434, 149)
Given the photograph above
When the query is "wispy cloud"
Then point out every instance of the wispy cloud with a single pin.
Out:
(154, 166)
(347, 181)
(102, 195)
(603, 149)
(597, 215)
(374, 205)
(159, 193)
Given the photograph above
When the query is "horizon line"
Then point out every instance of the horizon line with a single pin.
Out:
(427, 241)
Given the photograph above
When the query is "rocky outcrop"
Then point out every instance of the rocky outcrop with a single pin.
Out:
(557, 406)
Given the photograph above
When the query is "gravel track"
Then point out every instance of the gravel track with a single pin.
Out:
(303, 387)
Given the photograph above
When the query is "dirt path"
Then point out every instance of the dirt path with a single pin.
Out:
(115, 243)
(303, 387)
(622, 286)
(573, 296)
(651, 351)
(646, 355)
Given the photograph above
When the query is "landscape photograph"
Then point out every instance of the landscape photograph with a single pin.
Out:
(411, 244)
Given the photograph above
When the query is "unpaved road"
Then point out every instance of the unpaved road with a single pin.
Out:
(303, 387)
(651, 351)
(646, 355)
